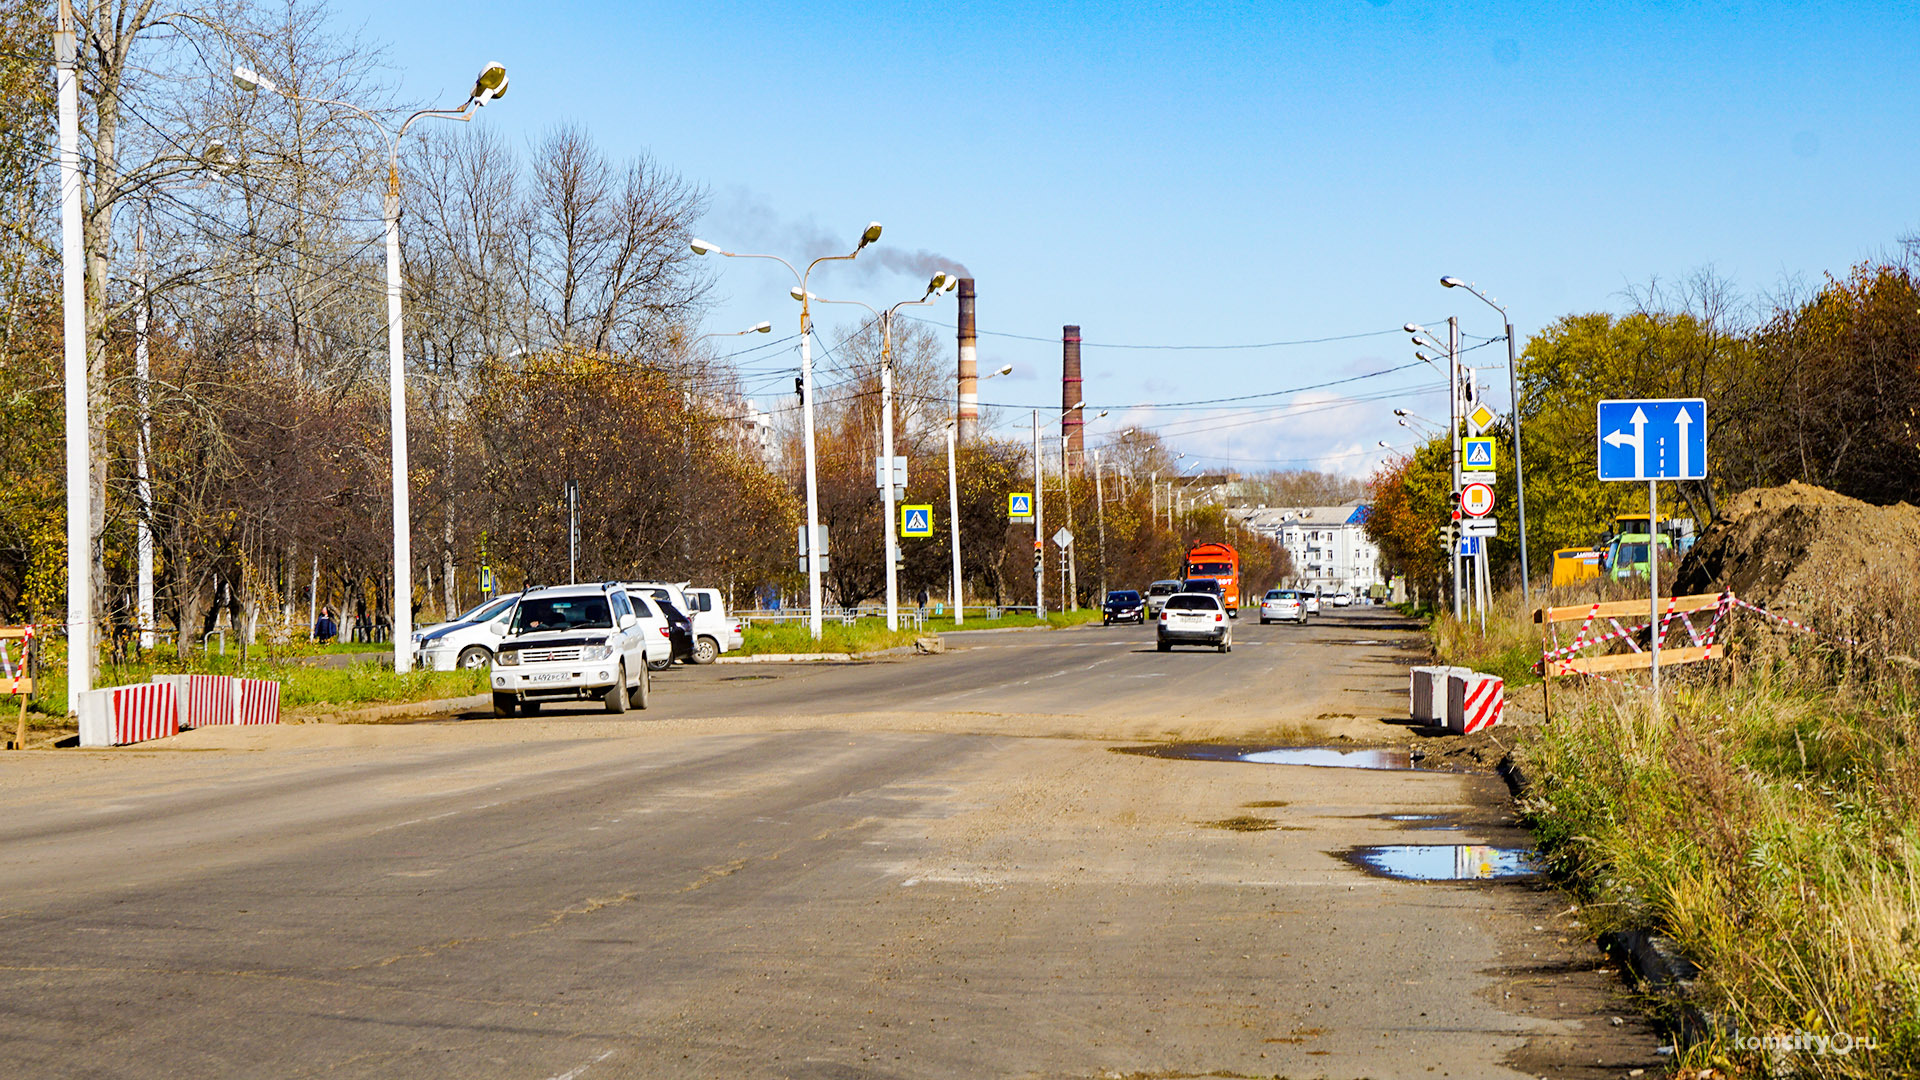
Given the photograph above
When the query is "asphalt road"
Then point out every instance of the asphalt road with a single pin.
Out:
(924, 867)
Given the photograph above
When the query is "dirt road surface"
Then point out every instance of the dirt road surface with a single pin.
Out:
(922, 867)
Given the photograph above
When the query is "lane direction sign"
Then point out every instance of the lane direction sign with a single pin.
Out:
(1476, 500)
(916, 521)
(1480, 527)
(1476, 455)
(1652, 439)
(1020, 505)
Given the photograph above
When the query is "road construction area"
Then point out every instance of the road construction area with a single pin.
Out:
(955, 865)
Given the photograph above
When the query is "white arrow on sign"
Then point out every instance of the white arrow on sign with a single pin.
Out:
(1685, 423)
(1638, 439)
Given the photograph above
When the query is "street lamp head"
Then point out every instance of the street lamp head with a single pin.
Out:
(249, 80)
(701, 247)
(761, 328)
(1414, 328)
(872, 234)
(1078, 405)
(1399, 412)
(801, 294)
(491, 84)
(1005, 369)
(1451, 282)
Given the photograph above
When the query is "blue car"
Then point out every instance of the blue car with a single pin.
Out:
(1123, 605)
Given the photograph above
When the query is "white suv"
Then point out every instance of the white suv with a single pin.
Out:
(571, 643)
(713, 632)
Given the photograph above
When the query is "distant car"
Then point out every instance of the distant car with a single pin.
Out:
(1194, 619)
(1313, 603)
(672, 603)
(1341, 599)
(1282, 605)
(1210, 586)
(1157, 594)
(713, 631)
(1123, 605)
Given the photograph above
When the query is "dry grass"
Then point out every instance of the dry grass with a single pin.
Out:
(1766, 816)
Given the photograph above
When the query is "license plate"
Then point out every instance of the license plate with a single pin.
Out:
(548, 676)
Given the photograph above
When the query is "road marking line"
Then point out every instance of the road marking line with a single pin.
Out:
(574, 1073)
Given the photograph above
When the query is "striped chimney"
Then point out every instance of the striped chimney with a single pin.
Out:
(1072, 424)
(967, 413)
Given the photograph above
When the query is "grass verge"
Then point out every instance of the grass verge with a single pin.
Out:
(872, 635)
(1766, 817)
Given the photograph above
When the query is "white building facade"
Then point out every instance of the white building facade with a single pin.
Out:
(1329, 545)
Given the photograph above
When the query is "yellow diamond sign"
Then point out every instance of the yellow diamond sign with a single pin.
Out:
(1481, 418)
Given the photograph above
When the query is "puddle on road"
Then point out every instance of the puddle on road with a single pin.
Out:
(1411, 817)
(1444, 862)
(1318, 756)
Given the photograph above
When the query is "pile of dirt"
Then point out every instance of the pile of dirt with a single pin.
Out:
(1802, 547)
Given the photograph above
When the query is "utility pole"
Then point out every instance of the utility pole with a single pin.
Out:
(953, 515)
(1453, 438)
(1039, 551)
(1100, 516)
(892, 527)
(73, 297)
(1069, 555)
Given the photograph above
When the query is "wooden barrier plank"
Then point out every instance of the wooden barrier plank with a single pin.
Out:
(1586, 665)
(1613, 609)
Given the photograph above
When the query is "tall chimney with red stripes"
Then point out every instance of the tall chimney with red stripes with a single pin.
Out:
(1071, 424)
(967, 411)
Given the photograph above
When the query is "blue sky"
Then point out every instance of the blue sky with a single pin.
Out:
(1229, 173)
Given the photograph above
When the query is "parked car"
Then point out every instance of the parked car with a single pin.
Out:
(1194, 619)
(1341, 599)
(1157, 594)
(464, 643)
(713, 631)
(658, 631)
(673, 604)
(571, 643)
(1313, 603)
(1123, 605)
(472, 614)
(1282, 605)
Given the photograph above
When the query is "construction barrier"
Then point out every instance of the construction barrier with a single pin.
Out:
(1474, 701)
(1601, 628)
(16, 678)
(210, 700)
(1427, 694)
(118, 715)
(256, 701)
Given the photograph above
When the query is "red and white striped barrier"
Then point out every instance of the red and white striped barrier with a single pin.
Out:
(209, 700)
(256, 701)
(1427, 694)
(1475, 702)
(118, 715)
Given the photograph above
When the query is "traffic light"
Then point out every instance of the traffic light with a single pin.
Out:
(800, 385)
(1039, 557)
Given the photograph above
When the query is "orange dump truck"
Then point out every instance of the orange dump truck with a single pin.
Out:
(1221, 563)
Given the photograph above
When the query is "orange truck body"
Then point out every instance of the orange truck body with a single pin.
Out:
(1219, 562)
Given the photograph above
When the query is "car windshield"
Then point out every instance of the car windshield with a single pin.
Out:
(1163, 588)
(1202, 585)
(1190, 602)
(562, 613)
(1210, 569)
(1127, 597)
(1632, 554)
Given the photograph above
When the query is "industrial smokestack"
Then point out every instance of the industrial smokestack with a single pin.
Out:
(967, 415)
(1071, 424)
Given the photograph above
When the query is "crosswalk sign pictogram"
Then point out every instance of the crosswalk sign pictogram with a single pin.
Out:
(1476, 455)
(1020, 505)
(916, 521)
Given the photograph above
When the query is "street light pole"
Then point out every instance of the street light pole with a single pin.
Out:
(953, 507)
(1513, 395)
(800, 293)
(491, 84)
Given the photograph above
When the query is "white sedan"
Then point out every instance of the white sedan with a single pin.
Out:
(1342, 600)
(1282, 605)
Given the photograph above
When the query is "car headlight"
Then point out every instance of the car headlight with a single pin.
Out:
(597, 652)
(507, 658)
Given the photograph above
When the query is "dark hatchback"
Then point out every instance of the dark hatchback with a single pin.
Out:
(1123, 605)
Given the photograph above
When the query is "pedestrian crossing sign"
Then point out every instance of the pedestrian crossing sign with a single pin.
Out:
(486, 580)
(1020, 505)
(1476, 455)
(916, 521)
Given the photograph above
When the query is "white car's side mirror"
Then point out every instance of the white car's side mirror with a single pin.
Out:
(498, 629)
(627, 620)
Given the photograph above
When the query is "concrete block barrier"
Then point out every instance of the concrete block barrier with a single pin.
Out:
(256, 701)
(204, 699)
(1474, 701)
(118, 715)
(1427, 694)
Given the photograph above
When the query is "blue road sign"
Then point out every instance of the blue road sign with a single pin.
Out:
(1476, 455)
(1019, 504)
(1470, 545)
(916, 521)
(1653, 439)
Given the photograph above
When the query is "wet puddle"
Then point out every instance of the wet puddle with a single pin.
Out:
(1329, 757)
(1444, 862)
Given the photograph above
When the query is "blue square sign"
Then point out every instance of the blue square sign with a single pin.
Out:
(1653, 439)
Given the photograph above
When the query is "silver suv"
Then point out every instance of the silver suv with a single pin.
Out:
(571, 643)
